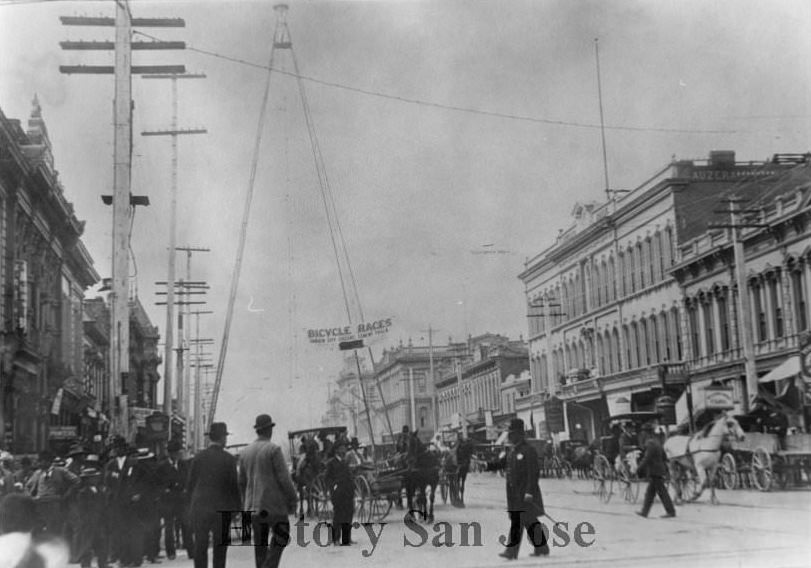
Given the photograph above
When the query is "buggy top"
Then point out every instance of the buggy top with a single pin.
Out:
(328, 430)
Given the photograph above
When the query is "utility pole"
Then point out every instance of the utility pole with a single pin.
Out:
(122, 199)
(198, 414)
(736, 224)
(186, 371)
(430, 332)
(174, 132)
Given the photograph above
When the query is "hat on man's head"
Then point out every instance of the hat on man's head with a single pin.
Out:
(173, 446)
(218, 430)
(648, 427)
(406, 429)
(77, 450)
(91, 459)
(263, 422)
(517, 425)
(89, 471)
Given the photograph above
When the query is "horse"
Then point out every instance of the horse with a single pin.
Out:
(582, 459)
(422, 473)
(464, 451)
(306, 471)
(701, 452)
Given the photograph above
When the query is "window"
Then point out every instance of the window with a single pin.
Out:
(657, 260)
(656, 353)
(640, 261)
(676, 331)
(623, 276)
(709, 325)
(664, 325)
(723, 319)
(695, 333)
(760, 314)
(627, 338)
(636, 361)
(611, 280)
(798, 290)
(615, 350)
(776, 304)
(667, 248)
(632, 269)
(598, 274)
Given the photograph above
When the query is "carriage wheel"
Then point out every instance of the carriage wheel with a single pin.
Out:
(762, 475)
(603, 480)
(782, 472)
(363, 497)
(379, 508)
(443, 488)
(728, 472)
(321, 500)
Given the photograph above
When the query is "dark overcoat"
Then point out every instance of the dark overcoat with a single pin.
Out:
(521, 472)
(339, 480)
(212, 484)
(654, 461)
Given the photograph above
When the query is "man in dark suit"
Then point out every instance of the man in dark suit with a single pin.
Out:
(172, 472)
(654, 466)
(212, 487)
(339, 480)
(524, 500)
(125, 483)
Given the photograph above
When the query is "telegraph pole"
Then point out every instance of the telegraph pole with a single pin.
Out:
(736, 224)
(198, 412)
(122, 169)
(174, 132)
(186, 370)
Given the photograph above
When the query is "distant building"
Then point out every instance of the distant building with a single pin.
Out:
(607, 318)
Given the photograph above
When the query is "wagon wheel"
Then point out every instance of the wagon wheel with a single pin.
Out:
(363, 496)
(321, 499)
(603, 479)
(728, 472)
(782, 471)
(379, 507)
(762, 475)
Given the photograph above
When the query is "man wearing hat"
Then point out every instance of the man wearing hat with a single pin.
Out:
(50, 486)
(654, 466)
(124, 483)
(524, 500)
(172, 474)
(212, 487)
(90, 538)
(339, 479)
(75, 463)
(267, 489)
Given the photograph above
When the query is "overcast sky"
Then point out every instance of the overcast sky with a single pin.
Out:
(445, 126)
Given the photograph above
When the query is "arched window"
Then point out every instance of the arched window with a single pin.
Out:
(598, 278)
(544, 374)
(694, 330)
(623, 275)
(658, 261)
(666, 353)
(655, 349)
(644, 351)
(601, 354)
(615, 350)
(626, 336)
(611, 280)
(640, 264)
(675, 330)
(632, 268)
(667, 247)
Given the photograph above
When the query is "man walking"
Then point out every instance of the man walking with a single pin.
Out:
(654, 466)
(172, 475)
(524, 500)
(268, 491)
(213, 488)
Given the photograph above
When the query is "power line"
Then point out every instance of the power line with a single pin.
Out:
(409, 100)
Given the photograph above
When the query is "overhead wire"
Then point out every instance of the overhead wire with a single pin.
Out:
(421, 102)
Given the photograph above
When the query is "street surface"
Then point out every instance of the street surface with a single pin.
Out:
(748, 528)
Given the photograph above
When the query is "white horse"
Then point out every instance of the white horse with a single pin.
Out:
(701, 452)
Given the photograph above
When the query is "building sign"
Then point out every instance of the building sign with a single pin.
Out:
(57, 403)
(554, 414)
(61, 432)
(718, 398)
(343, 334)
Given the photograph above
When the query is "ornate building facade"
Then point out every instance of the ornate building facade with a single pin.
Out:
(607, 318)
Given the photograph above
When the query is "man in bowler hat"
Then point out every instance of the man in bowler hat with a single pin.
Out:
(654, 466)
(212, 487)
(268, 491)
(339, 480)
(524, 500)
(173, 472)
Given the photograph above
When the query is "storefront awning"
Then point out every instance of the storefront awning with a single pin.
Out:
(785, 370)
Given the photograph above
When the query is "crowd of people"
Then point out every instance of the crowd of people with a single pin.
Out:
(117, 506)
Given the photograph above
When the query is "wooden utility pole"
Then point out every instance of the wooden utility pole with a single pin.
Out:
(174, 132)
(122, 199)
(198, 401)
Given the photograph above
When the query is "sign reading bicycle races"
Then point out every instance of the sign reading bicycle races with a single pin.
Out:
(341, 334)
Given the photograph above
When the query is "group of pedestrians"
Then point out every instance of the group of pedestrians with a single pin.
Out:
(110, 507)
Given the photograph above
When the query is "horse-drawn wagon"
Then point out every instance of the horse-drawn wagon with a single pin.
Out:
(376, 487)
(763, 459)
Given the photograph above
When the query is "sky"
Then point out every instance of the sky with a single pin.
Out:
(456, 136)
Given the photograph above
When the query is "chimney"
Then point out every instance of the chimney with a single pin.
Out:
(722, 158)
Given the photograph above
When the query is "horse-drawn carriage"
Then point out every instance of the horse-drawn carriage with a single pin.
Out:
(617, 456)
(376, 488)
(763, 459)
